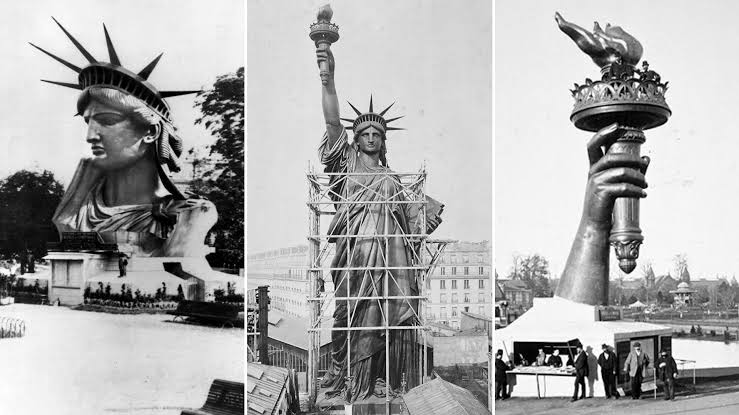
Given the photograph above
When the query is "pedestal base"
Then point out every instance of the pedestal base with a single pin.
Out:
(71, 272)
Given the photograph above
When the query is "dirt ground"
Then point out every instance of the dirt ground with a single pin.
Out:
(77, 362)
(708, 398)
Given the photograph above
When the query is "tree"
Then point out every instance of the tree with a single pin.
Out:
(533, 270)
(222, 109)
(680, 263)
(725, 294)
(27, 203)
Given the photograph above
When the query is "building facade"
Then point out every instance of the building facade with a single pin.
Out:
(461, 281)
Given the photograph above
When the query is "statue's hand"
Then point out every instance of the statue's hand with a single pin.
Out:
(323, 54)
(432, 223)
(611, 176)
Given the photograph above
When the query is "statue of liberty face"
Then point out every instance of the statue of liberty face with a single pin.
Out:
(117, 140)
(370, 140)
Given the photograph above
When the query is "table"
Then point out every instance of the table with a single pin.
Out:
(542, 371)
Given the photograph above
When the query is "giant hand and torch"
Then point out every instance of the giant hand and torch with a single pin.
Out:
(324, 33)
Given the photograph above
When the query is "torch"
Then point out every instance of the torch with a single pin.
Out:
(634, 99)
(324, 33)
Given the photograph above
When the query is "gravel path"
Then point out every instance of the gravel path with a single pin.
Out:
(77, 362)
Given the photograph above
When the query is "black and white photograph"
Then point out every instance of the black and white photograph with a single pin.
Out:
(369, 199)
(616, 184)
(121, 207)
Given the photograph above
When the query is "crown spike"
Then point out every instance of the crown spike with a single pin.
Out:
(347, 120)
(385, 110)
(393, 128)
(169, 94)
(111, 50)
(65, 84)
(150, 67)
(77, 44)
(354, 108)
(58, 59)
(370, 108)
(393, 119)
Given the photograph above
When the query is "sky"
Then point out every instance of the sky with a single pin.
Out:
(200, 40)
(540, 159)
(433, 58)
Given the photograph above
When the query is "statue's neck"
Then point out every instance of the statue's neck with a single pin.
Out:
(137, 184)
(370, 160)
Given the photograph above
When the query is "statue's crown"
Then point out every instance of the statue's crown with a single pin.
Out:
(371, 118)
(113, 75)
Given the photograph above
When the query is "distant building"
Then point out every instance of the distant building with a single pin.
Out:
(461, 282)
(284, 270)
(683, 294)
(516, 293)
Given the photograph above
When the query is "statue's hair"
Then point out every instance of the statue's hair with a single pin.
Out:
(169, 144)
(383, 150)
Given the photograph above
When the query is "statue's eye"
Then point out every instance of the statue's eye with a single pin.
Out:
(108, 118)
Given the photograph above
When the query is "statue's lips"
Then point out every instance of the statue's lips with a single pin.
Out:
(98, 151)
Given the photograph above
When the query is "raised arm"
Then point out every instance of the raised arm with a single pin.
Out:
(585, 277)
(330, 100)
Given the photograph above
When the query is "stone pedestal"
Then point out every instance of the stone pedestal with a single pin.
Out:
(69, 273)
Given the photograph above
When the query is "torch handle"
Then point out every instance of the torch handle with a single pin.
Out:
(324, 44)
(626, 235)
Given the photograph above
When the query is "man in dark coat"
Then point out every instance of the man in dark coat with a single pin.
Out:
(581, 372)
(608, 368)
(501, 378)
(667, 373)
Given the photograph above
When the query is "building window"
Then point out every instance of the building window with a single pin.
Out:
(481, 283)
(481, 271)
(481, 309)
(443, 270)
(443, 312)
(481, 297)
(466, 297)
(453, 259)
(466, 259)
(442, 284)
(466, 270)
(454, 282)
(454, 298)
(466, 284)
(454, 311)
(467, 309)
(442, 298)
(454, 271)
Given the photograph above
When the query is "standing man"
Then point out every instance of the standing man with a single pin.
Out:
(581, 372)
(501, 377)
(608, 367)
(667, 373)
(636, 363)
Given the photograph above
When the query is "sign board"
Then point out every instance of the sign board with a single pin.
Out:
(607, 313)
(82, 241)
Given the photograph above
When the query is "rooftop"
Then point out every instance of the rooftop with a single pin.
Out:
(440, 397)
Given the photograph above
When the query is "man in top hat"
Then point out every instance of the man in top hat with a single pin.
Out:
(581, 372)
(636, 363)
(608, 367)
(501, 378)
(667, 373)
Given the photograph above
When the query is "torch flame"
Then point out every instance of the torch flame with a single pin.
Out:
(325, 13)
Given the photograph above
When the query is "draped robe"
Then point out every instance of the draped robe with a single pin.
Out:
(368, 221)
